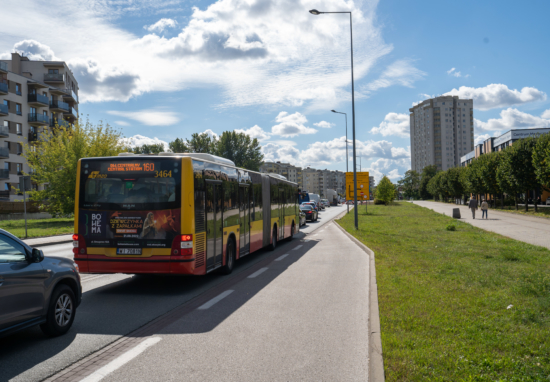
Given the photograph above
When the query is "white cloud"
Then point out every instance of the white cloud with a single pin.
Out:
(401, 72)
(324, 124)
(274, 152)
(161, 25)
(291, 125)
(149, 117)
(498, 96)
(512, 119)
(478, 139)
(257, 53)
(32, 49)
(211, 133)
(140, 140)
(394, 124)
(453, 72)
(546, 114)
(122, 123)
(389, 167)
(254, 132)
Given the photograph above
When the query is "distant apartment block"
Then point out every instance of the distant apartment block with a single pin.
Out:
(34, 95)
(442, 131)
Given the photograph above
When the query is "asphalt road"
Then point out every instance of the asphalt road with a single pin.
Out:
(115, 305)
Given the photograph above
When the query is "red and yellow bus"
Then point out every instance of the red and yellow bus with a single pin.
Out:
(176, 213)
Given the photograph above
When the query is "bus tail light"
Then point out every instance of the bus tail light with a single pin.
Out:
(182, 245)
(79, 245)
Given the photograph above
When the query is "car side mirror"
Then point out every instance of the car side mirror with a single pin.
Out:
(37, 255)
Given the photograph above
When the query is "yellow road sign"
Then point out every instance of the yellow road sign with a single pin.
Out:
(362, 186)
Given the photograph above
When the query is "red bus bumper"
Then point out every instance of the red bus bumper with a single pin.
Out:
(156, 265)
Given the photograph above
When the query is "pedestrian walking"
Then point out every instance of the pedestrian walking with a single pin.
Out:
(472, 204)
(484, 209)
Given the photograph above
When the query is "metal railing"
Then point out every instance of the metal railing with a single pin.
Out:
(4, 152)
(38, 98)
(4, 174)
(72, 93)
(60, 123)
(4, 131)
(38, 118)
(4, 194)
(3, 86)
(59, 105)
(4, 66)
(54, 77)
(4, 109)
(74, 112)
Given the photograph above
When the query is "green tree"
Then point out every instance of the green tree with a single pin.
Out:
(434, 186)
(154, 148)
(385, 190)
(541, 160)
(488, 167)
(454, 184)
(428, 173)
(202, 143)
(472, 180)
(54, 161)
(518, 167)
(178, 145)
(410, 184)
(241, 149)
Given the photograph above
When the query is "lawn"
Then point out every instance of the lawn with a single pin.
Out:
(464, 305)
(39, 227)
(543, 212)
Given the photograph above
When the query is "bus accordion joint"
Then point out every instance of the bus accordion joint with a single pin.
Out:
(182, 245)
(79, 244)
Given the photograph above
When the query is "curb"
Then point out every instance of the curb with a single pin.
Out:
(46, 243)
(376, 360)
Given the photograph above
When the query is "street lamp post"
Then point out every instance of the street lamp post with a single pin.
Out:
(316, 12)
(347, 156)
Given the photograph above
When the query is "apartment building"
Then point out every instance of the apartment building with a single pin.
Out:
(292, 173)
(34, 96)
(442, 131)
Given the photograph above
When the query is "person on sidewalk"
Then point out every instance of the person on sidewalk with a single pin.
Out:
(484, 209)
(472, 204)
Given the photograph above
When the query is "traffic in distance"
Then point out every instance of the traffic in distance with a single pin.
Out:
(186, 214)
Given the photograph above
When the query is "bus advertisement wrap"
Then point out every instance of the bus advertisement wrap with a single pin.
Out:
(148, 229)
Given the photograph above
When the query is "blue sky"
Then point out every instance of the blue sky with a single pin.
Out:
(164, 69)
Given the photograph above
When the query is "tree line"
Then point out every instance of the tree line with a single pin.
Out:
(500, 175)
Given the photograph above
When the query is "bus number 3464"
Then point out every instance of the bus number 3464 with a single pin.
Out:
(163, 174)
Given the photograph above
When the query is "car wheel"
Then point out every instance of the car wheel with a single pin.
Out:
(61, 311)
(273, 244)
(229, 258)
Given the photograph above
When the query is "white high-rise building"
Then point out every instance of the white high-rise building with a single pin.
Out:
(442, 131)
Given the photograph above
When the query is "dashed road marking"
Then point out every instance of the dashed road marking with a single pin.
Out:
(216, 299)
(257, 273)
(281, 257)
(121, 360)
(297, 247)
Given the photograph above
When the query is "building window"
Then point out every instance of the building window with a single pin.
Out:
(6, 186)
(19, 129)
(7, 166)
(33, 110)
(18, 109)
(19, 149)
(18, 89)
(53, 71)
(6, 103)
(19, 168)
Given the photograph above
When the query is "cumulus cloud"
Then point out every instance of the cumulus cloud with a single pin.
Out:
(149, 117)
(254, 132)
(394, 124)
(34, 50)
(211, 134)
(161, 25)
(140, 140)
(401, 72)
(389, 167)
(291, 125)
(498, 96)
(274, 152)
(478, 139)
(512, 119)
(324, 124)
(546, 114)
(98, 83)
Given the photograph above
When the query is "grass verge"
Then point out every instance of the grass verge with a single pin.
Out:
(462, 305)
(39, 227)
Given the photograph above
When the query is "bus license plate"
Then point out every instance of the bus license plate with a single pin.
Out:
(128, 251)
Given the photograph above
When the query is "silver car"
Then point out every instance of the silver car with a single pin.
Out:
(36, 290)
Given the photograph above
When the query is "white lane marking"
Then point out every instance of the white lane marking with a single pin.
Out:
(257, 273)
(216, 299)
(297, 247)
(281, 257)
(118, 362)
(92, 278)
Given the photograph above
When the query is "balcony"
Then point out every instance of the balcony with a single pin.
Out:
(4, 152)
(37, 100)
(4, 132)
(71, 114)
(32, 137)
(59, 106)
(71, 95)
(4, 110)
(3, 87)
(4, 195)
(60, 123)
(3, 67)
(54, 77)
(38, 119)
(4, 174)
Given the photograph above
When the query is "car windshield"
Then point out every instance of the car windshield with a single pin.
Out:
(305, 208)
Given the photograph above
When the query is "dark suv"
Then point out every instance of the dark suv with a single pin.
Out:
(36, 290)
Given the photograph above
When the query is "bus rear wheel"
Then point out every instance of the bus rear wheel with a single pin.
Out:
(229, 258)
(274, 240)
(292, 230)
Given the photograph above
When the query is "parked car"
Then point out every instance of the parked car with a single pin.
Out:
(302, 218)
(36, 290)
(311, 213)
(325, 203)
(548, 201)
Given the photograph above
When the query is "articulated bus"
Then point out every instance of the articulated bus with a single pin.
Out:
(176, 213)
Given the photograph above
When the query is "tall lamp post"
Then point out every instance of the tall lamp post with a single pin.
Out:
(347, 156)
(316, 12)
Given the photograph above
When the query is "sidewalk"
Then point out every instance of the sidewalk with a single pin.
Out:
(528, 229)
(49, 240)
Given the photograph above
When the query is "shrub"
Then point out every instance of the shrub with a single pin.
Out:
(378, 201)
(451, 227)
